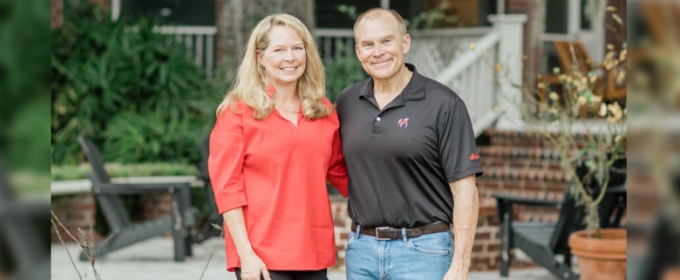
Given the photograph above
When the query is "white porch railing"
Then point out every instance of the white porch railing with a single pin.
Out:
(199, 41)
(432, 50)
(472, 76)
(486, 74)
(468, 60)
(429, 48)
(334, 43)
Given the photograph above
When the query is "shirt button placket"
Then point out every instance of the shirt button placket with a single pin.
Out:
(377, 125)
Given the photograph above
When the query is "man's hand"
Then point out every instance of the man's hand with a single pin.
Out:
(252, 267)
(456, 274)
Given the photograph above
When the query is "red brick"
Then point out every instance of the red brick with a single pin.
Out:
(512, 185)
(85, 207)
(505, 151)
(339, 223)
(540, 175)
(533, 186)
(478, 248)
(487, 184)
(531, 175)
(493, 248)
(483, 236)
(480, 261)
(494, 222)
(549, 175)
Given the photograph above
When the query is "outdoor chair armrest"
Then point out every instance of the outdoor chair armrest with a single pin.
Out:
(203, 177)
(513, 199)
(25, 209)
(133, 188)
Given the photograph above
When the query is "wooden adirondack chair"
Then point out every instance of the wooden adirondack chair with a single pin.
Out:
(544, 242)
(22, 251)
(208, 230)
(574, 54)
(124, 232)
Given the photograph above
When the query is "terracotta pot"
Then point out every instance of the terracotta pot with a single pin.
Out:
(672, 273)
(600, 258)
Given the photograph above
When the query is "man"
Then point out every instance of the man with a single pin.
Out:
(410, 152)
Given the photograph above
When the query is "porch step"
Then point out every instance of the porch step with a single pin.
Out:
(528, 173)
(520, 139)
(520, 164)
(521, 152)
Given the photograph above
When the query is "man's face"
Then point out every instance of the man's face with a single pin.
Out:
(380, 47)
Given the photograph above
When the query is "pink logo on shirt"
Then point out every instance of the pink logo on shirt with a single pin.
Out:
(403, 122)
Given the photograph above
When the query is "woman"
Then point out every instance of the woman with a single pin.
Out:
(274, 145)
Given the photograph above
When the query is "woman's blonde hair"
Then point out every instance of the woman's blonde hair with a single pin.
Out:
(250, 86)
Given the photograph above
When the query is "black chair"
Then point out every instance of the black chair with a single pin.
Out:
(22, 252)
(208, 230)
(124, 232)
(544, 242)
(663, 238)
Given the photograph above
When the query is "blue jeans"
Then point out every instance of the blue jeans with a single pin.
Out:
(425, 257)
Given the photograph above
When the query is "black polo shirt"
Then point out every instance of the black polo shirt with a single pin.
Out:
(401, 159)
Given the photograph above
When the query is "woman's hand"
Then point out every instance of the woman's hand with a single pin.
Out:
(252, 267)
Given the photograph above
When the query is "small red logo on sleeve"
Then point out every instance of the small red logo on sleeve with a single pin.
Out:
(474, 156)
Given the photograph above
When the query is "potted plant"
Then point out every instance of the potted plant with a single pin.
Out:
(589, 134)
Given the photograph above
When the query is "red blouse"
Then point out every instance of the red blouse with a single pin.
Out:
(277, 172)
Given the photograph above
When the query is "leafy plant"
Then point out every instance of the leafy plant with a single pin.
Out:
(349, 10)
(24, 110)
(593, 158)
(342, 72)
(433, 17)
(132, 91)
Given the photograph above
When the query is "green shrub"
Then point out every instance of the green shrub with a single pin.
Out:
(133, 92)
(24, 94)
(343, 72)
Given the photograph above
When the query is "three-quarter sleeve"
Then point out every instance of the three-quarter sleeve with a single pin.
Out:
(225, 161)
(457, 148)
(337, 170)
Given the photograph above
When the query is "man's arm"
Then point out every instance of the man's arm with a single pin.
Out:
(465, 212)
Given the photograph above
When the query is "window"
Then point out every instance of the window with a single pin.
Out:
(328, 16)
(556, 16)
(588, 10)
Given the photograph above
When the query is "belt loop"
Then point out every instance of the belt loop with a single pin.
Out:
(403, 234)
(357, 231)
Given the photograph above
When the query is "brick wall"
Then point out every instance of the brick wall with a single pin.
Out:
(74, 211)
(155, 205)
(79, 211)
(516, 163)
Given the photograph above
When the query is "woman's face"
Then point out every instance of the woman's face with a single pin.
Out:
(285, 58)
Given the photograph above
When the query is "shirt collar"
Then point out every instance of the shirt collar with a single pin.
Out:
(414, 90)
